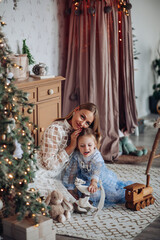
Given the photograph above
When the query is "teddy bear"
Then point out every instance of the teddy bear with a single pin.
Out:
(60, 208)
(127, 147)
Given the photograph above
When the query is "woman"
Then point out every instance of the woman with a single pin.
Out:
(58, 143)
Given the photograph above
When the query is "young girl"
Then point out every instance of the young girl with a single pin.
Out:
(88, 164)
(58, 143)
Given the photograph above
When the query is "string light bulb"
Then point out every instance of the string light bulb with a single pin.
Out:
(10, 176)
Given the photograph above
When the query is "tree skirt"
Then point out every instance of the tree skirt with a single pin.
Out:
(116, 222)
(129, 159)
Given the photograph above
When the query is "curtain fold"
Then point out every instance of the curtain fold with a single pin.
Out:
(127, 105)
(93, 72)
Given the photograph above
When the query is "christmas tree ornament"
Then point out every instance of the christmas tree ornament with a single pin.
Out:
(3, 137)
(10, 75)
(1, 204)
(18, 152)
(30, 110)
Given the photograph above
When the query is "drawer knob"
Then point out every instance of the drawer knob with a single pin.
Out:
(42, 129)
(50, 91)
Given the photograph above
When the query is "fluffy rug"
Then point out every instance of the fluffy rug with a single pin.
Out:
(116, 222)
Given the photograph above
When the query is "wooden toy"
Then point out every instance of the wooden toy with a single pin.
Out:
(83, 204)
(138, 195)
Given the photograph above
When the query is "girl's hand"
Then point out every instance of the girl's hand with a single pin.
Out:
(93, 186)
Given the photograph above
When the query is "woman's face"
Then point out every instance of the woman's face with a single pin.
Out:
(86, 145)
(81, 119)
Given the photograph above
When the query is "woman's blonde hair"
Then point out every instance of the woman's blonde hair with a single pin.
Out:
(95, 125)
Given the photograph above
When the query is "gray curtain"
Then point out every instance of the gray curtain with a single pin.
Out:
(90, 60)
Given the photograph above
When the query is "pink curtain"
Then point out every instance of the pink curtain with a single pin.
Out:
(93, 70)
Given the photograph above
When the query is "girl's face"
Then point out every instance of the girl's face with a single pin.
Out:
(81, 119)
(86, 145)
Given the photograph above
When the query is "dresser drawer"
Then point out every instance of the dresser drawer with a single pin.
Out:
(32, 94)
(49, 91)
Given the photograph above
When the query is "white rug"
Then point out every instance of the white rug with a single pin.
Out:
(116, 222)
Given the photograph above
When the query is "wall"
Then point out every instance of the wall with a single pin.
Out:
(145, 19)
(35, 21)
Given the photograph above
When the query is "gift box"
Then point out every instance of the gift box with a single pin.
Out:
(20, 60)
(27, 230)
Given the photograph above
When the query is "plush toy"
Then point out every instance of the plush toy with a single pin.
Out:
(60, 208)
(127, 147)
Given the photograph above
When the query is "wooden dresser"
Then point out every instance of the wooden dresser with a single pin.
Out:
(46, 95)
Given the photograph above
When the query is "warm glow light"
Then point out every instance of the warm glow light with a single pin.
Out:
(10, 175)
(27, 203)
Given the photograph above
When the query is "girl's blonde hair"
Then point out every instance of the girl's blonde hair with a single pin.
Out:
(90, 132)
(95, 125)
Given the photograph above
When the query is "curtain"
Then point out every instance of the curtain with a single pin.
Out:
(93, 71)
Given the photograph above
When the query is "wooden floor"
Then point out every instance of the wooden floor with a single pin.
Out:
(146, 139)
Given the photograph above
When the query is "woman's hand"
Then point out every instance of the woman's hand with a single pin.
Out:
(93, 186)
(73, 142)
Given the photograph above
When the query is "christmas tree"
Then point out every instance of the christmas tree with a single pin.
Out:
(17, 149)
(25, 50)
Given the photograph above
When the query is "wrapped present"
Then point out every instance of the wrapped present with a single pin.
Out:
(27, 230)
(20, 60)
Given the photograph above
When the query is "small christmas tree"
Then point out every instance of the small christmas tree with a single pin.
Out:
(25, 50)
(17, 149)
